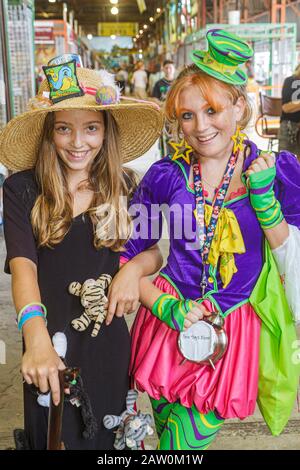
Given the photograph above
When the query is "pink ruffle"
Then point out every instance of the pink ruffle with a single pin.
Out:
(156, 363)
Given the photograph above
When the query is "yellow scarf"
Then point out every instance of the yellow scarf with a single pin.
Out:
(227, 240)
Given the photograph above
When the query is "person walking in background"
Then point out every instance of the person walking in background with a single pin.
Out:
(289, 137)
(140, 81)
(122, 78)
(154, 77)
(162, 86)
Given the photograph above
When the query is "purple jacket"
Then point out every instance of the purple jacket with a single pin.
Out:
(166, 182)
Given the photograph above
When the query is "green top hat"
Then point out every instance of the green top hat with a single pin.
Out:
(225, 53)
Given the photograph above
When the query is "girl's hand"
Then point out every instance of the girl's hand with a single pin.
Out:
(195, 314)
(263, 162)
(123, 293)
(40, 366)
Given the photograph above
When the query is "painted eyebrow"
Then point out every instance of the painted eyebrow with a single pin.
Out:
(184, 110)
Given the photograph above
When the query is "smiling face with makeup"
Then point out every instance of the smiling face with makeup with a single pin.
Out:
(78, 138)
(206, 129)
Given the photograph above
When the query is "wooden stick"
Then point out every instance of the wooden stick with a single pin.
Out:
(56, 411)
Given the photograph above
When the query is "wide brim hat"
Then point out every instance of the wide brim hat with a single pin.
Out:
(226, 52)
(139, 123)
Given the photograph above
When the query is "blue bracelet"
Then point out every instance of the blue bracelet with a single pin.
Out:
(32, 307)
(28, 316)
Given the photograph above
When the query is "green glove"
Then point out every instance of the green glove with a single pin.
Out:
(263, 200)
(172, 311)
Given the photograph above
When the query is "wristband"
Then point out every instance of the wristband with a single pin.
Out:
(263, 200)
(172, 311)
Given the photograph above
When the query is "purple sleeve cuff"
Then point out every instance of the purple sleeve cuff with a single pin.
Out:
(262, 190)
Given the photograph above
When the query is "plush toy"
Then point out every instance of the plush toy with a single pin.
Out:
(133, 426)
(93, 299)
(77, 397)
(136, 428)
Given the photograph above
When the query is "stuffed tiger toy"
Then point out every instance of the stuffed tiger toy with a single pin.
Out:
(93, 299)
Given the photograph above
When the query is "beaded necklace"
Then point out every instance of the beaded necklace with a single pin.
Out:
(206, 235)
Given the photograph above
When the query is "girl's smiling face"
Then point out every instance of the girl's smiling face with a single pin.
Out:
(208, 130)
(78, 137)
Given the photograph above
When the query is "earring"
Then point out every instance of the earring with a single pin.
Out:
(182, 150)
(238, 139)
(180, 134)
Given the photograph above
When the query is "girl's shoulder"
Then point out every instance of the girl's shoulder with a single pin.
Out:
(21, 181)
(21, 187)
(287, 164)
(159, 181)
(163, 170)
(287, 168)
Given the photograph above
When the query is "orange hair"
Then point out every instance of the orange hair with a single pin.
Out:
(211, 89)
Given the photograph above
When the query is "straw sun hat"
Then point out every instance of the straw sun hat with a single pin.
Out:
(140, 123)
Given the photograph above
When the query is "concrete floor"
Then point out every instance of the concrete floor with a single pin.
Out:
(251, 433)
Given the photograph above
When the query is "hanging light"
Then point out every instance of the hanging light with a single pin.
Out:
(145, 26)
(114, 2)
(90, 37)
(114, 10)
(141, 31)
(52, 1)
(151, 19)
(158, 10)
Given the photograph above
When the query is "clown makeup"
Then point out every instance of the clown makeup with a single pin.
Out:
(208, 130)
(78, 138)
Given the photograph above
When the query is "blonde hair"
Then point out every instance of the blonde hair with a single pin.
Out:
(52, 214)
(210, 88)
(139, 65)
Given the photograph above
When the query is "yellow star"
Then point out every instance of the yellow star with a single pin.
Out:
(238, 139)
(183, 150)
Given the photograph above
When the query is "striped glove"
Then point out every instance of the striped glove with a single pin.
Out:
(263, 200)
(172, 311)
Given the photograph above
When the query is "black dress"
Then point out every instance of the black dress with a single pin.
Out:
(103, 360)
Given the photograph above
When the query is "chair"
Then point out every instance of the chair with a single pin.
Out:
(266, 126)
